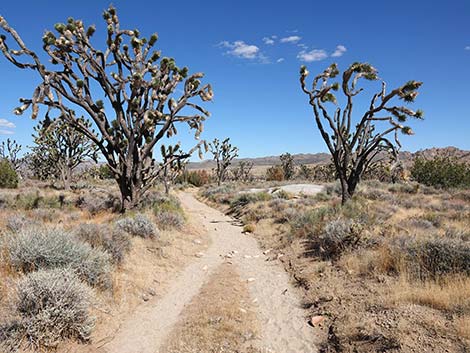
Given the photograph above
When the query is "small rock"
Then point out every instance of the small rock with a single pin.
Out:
(250, 279)
(255, 300)
(205, 268)
(316, 320)
(266, 252)
(152, 292)
(243, 310)
(145, 298)
(247, 257)
(199, 254)
(197, 241)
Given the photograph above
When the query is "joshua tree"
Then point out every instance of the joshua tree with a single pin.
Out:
(287, 164)
(243, 171)
(60, 149)
(172, 168)
(125, 89)
(223, 154)
(355, 144)
(9, 150)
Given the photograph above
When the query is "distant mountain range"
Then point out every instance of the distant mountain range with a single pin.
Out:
(323, 158)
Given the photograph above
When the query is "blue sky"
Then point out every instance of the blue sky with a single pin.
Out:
(251, 52)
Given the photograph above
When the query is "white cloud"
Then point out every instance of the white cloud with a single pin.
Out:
(340, 50)
(6, 132)
(7, 124)
(280, 60)
(467, 47)
(291, 39)
(241, 50)
(312, 55)
(268, 41)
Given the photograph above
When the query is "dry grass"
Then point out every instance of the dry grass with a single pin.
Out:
(450, 294)
(463, 327)
(227, 324)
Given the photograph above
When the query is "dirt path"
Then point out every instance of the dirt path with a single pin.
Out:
(283, 326)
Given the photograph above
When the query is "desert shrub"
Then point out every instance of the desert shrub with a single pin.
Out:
(95, 201)
(310, 222)
(196, 178)
(218, 194)
(287, 215)
(8, 175)
(333, 189)
(338, 236)
(404, 188)
(53, 305)
(420, 223)
(45, 214)
(114, 241)
(45, 248)
(16, 222)
(282, 194)
(104, 172)
(247, 198)
(442, 172)
(278, 204)
(169, 220)
(433, 257)
(138, 226)
(275, 173)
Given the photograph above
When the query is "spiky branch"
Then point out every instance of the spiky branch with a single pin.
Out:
(127, 90)
(355, 144)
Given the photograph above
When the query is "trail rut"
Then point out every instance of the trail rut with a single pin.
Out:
(284, 328)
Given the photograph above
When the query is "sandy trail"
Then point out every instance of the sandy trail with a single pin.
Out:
(284, 328)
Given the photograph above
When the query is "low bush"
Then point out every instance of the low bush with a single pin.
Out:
(337, 237)
(169, 220)
(36, 248)
(8, 176)
(114, 241)
(433, 257)
(310, 222)
(275, 173)
(95, 201)
(16, 222)
(52, 305)
(139, 226)
(247, 198)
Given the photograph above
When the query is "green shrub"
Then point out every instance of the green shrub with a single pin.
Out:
(442, 172)
(104, 172)
(8, 175)
(33, 249)
(52, 305)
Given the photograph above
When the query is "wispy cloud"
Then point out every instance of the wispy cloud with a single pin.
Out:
(312, 55)
(291, 39)
(6, 132)
(269, 40)
(340, 50)
(8, 124)
(241, 49)
(280, 60)
(467, 47)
